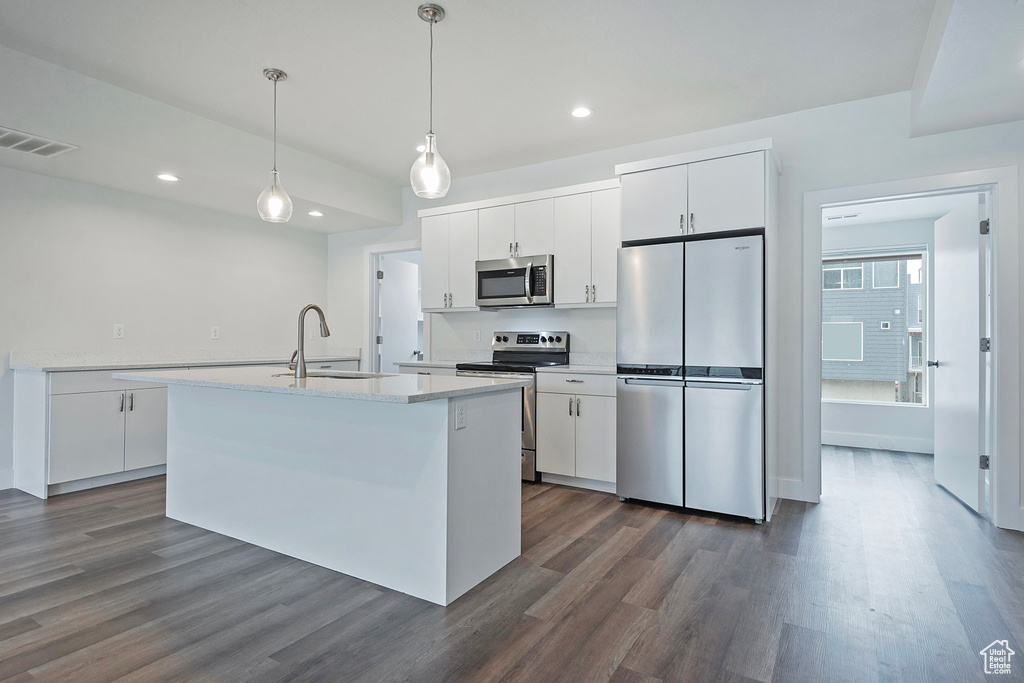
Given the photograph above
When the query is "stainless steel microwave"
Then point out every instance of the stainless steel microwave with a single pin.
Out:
(513, 282)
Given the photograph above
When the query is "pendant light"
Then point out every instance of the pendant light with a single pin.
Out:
(274, 204)
(429, 175)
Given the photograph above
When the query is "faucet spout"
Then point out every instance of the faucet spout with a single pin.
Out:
(300, 359)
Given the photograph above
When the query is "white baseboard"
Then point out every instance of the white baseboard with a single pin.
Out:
(879, 441)
(106, 480)
(579, 482)
(791, 489)
(6, 479)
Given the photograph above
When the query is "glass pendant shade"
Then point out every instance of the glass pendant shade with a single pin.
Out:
(274, 204)
(429, 175)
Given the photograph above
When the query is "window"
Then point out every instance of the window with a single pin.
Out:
(842, 341)
(920, 310)
(886, 325)
(885, 274)
(843, 276)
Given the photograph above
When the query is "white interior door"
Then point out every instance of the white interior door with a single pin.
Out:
(399, 312)
(959, 327)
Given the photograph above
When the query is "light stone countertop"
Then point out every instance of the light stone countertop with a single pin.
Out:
(70, 361)
(386, 388)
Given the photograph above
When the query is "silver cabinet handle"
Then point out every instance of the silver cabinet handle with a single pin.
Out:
(510, 254)
(593, 293)
(692, 226)
(682, 222)
(121, 409)
(517, 248)
(570, 406)
(577, 407)
(420, 372)
(446, 299)
(529, 282)
(451, 301)
(325, 367)
(131, 401)
(574, 381)
(588, 293)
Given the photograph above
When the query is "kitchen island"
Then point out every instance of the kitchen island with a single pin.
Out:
(408, 481)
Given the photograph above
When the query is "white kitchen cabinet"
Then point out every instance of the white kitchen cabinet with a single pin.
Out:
(534, 223)
(572, 248)
(86, 435)
(145, 428)
(587, 238)
(727, 193)
(576, 425)
(556, 434)
(654, 203)
(448, 261)
(497, 232)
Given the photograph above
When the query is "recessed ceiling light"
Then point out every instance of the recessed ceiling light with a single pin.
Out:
(582, 112)
(168, 177)
(316, 213)
(421, 148)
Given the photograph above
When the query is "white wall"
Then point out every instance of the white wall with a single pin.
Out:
(899, 427)
(75, 259)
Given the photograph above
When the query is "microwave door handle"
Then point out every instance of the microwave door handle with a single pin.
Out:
(529, 281)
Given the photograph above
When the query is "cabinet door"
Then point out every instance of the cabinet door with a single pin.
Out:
(572, 249)
(535, 227)
(434, 261)
(595, 437)
(145, 428)
(727, 193)
(654, 203)
(497, 232)
(86, 435)
(462, 253)
(604, 245)
(556, 434)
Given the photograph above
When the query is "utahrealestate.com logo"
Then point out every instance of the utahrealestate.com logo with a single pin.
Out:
(997, 657)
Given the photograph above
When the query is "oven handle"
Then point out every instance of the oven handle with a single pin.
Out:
(492, 375)
(529, 281)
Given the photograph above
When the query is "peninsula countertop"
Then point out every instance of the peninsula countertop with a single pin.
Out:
(73, 361)
(380, 388)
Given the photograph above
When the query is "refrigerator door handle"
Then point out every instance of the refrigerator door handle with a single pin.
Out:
(652, 382)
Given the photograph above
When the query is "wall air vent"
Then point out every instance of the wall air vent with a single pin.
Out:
(33, 144)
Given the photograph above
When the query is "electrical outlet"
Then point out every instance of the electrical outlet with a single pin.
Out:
(312, 332)
(118, 330)
(460, 416)
(214, 332)
(476, 335)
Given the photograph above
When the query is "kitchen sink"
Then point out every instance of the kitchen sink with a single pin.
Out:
(338, 374)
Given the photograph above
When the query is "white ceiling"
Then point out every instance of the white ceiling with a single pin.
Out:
(145, 86)
(893, 210)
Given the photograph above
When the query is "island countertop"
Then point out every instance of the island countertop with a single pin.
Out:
(380, 388)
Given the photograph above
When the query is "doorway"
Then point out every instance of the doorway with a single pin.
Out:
(397, 335)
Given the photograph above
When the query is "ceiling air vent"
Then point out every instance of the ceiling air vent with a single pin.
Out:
(33, 144)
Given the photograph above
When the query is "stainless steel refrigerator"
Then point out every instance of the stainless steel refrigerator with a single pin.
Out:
(690, 393)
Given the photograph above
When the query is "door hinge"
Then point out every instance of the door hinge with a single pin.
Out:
(380, 339)
(380, 274)
(986, 344)
(983, 462)
(984, 226)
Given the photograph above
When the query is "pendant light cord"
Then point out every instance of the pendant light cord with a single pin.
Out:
(431, 77)
(275, 124)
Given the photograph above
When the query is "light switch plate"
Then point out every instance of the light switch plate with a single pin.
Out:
(118, 330)
(476, 335)
(460, 416)
(214, 332)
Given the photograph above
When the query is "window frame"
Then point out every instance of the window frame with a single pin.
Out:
(842, 268)
(875, 263)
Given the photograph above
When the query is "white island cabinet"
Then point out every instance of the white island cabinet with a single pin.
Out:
(408, 481)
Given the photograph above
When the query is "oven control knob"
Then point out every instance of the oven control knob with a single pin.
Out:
(545, 339)
(498, 338)
(504, 339)
(558, 339)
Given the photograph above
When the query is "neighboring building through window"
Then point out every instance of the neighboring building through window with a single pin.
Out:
(872, 332)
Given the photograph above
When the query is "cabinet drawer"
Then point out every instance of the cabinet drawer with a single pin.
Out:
(426, 370)
(94, 380)
(568, 383)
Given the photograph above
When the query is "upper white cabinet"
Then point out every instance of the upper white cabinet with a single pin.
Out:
(586, 237)
(654, 203)
(449, 254)
(534, 228)
(702, 192)
(727, 193)
(497, 232)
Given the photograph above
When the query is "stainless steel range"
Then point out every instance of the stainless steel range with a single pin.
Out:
(517, 355)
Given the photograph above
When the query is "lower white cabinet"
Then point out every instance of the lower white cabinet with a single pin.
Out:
(104, 432)
(576, 435)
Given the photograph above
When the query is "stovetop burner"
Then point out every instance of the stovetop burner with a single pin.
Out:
(523, 352)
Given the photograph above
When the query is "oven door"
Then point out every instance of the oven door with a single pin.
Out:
(523, 281)
(529, 423)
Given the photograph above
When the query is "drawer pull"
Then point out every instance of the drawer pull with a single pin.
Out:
(574, 381)
(420, 372)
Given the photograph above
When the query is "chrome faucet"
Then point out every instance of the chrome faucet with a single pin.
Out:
(300, 357)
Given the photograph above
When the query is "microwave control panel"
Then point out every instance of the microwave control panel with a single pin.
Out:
(540, 280)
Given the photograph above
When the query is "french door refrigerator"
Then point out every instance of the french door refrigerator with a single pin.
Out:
(690, 356)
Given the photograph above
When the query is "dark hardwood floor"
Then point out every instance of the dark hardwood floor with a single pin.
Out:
(888, 579)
